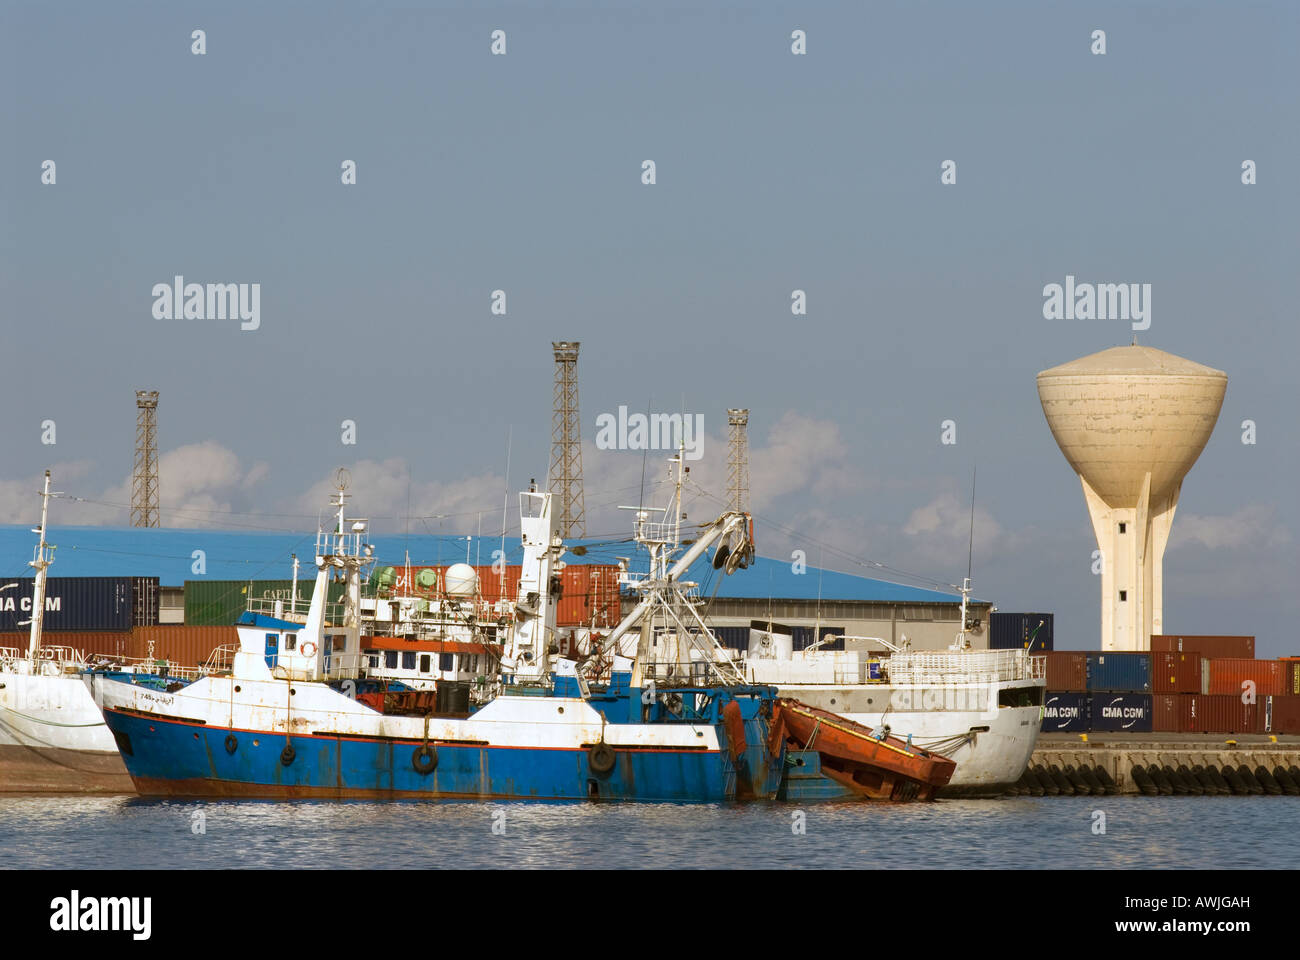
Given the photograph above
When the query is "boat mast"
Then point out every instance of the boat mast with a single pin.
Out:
(41, 561)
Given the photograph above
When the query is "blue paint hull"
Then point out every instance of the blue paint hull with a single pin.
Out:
(174, 757)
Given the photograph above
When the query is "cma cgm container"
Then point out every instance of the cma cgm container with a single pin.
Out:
(93, 643)
(1206, 646)
(1065, 711)
(1123, 672)
(186, 645)
(71, 603)
(1231, 676)
(1067, 670)
(1279, 714)
(1176, 673)
(1215, 713)
(1120, 712)
(1012, 631)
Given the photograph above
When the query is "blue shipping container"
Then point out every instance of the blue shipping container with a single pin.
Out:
(1065, 712)
(71, 603)
(1013, 631)
(1121, 712)
(1122, 672)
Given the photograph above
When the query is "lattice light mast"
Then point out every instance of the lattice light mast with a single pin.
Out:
(738, 460)
(144, 478)
(566, 442)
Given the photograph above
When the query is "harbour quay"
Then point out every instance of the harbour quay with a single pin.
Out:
(1134, 763)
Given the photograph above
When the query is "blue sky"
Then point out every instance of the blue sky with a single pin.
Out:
(774, 172)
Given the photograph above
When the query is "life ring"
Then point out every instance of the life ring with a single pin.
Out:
(601, 758)
(305, 652)
(232, 744)
(424, 759)
(287, 754)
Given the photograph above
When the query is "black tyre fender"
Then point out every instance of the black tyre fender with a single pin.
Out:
(232, 743)
(287, 754)
(601, 758)
(425, 759)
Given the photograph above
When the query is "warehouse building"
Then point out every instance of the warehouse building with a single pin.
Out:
(203, 576)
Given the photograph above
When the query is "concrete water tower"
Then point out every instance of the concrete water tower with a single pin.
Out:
(1131, 421)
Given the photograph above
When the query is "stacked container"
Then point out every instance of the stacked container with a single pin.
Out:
(1012, 631)
(1176, 672)
(1065, 712)
(1233, 675)
(1119, 672)
(1205, 645)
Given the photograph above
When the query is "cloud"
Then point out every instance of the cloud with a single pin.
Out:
(1252, 527)
(199, 484)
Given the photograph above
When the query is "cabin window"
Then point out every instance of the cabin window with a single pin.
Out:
(1123, 527)
(390, 659)
(1123, 595)
(408, 659)
(291, 641)
(424, 662)
(341, 642)
(446, 662)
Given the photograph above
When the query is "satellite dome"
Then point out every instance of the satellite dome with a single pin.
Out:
(461, 580)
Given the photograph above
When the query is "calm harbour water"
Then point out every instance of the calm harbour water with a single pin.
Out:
(1164, 832)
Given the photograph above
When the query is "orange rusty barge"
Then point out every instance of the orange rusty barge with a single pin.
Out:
(873, 765)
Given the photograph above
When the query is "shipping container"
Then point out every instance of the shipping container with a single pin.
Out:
(1292, 673)
(219, 603)
(1013, 631)
(92, 643)
(1120, 712)
(1065, 711)
(1121, 672)
(1232, 676)
(1176, 673)
(1206, 646)
(1215, 713)
(146, 596)
(1279, 714)
(1165, 711)
(1067, 670)
(71, 603)
(188, 646)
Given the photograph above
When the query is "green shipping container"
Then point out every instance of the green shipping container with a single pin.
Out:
(219, 603)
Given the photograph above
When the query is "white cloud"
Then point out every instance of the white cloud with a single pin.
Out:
(1250, 528)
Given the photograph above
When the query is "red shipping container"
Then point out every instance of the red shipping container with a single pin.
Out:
(1176, 673)
(1215, 713)
(92, 643)
(1229, 676)
(1165, 712)
(187, 646)
(1206, 646)
(1067, 670)
(1279, 715)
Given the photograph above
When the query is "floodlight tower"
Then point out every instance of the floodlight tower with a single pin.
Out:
(566, 442)
(144, 478)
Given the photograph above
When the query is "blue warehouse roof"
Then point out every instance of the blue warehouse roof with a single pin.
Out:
(168, 553)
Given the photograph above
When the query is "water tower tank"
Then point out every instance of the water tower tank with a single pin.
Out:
(1131, 421)
(461, 580)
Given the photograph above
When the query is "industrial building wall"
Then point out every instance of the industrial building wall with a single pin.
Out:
(927, 626)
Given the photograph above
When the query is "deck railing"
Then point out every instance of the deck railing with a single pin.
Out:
(972, 666)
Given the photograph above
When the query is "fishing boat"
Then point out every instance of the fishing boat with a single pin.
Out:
(281, 723)
(53, 738)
